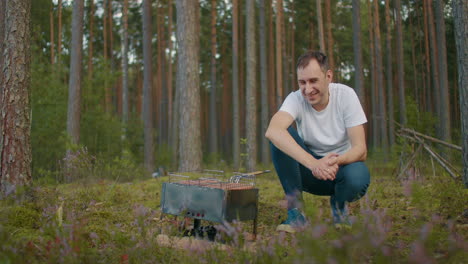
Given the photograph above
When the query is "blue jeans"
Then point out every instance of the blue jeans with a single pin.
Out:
(350, 184)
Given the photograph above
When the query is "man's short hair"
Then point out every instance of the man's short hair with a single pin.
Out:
(320, 57)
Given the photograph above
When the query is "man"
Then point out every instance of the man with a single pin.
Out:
(325, 155)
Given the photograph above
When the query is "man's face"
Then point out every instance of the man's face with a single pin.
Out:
(313, 83)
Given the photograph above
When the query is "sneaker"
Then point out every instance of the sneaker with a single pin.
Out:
(339, 214)
(296, 220)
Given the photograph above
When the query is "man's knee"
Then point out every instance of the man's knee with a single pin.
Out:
(356, 180)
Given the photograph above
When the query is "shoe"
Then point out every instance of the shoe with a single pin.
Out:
(339, 214)
(296, 220)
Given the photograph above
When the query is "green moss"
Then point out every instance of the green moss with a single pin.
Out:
(23, 217)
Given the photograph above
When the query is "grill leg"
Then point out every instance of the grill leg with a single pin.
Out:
(255, 228)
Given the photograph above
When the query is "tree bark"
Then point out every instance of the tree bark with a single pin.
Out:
(460, 9)
(91, 41)
(373, 119)
(147, 86)
(434, 63)
(444, 118)
(400, 61)
(321, 34)
(427, 61)
(74, 86)
(330, 41)
(271, 61)
(357, 48)
(213, 124)
(279, 48)
(251, 86)
(59, 30)
(15, 111)
(382, 113)
(2, 44)
(263, 82)
(235, 86)
(170, 90)
(188, 78)
(52, 45)
(391, 118)
(125, 63)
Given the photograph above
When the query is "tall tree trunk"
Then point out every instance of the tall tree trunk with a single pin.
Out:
(380, 84)
(147, 86)
(74, 86)
(427, 61)
(104, 24)
(321, 33)
(391, 118)
(59, 30)
(91, 41)
(460, 9)
(125, 63)
(292, 68)
(330, 42)
(213, 124)
(110, 17)
(235, 85)
(375, 131)
(357, 48)
(263, 82)
(434, 63)
(251, 86)
(2, 44)
(279, 48)
(444, 118)
(400, 61)
(52, 45)
(170, 90)
(15, 110)
(271, 61)
(188, 78)
(284, 55)
(413, 62)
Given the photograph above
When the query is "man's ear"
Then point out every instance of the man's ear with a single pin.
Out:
(329, 75)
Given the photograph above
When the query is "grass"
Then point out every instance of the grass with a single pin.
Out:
(419, 219)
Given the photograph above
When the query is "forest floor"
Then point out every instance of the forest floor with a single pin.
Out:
(421, 218)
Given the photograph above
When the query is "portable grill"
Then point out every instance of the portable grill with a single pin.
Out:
(211, 198)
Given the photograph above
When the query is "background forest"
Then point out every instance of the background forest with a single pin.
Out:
(398, 81)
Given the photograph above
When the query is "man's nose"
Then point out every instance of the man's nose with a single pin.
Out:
(308, 88)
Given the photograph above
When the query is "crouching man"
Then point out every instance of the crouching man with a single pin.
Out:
(325, 155)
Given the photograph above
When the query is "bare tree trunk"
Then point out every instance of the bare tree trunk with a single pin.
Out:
(188, 78)
(52, 45)
(271, 62)
(413, 62)
(104, 23)
(263, 82)
(391, 118)
(91, 41)
(434, 64)
(74, 87)
(235, 85)
(357, 48)
(59, 30)
(444, 118)
(380, 84)
(375, 135)
(15, 111)
(2, 45)
(330, 42)
(147, 86)
(427, 61)
(170, 90)
(213, 124)
(401, 70)
(251, 86)
(460, 9)
(321, 34)
(279, 48)
(125, 64)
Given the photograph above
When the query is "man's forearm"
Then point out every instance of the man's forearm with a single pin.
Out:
(357, 153)
(286, 143)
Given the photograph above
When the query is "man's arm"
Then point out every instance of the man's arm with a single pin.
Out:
(278, 134)
(358, 151)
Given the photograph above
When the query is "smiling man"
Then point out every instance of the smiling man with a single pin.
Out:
(325, 155)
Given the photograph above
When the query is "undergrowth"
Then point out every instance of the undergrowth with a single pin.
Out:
(419, 218)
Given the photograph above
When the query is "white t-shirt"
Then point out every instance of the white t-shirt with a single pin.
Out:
(325, 131)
